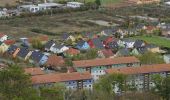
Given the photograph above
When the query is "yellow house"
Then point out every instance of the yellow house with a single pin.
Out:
(3, 47)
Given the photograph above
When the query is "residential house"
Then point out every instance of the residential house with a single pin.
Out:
(3, 47)
(96, 43)
(109, 32)
(38, 57)
(55, 62)
(112, 45)
(139, 51)
(24, 53)
(139, 44)
(49, 45)
(9, 42)
(13, 50)
(82, 45)
(25, 42)
(153, 48)
(129, 43)
(33, 71)
(97, 66)
(167, 58)
(105, 53)
(72, 81)
(140, 77)
(71, 52)
(3, 37)
(66, 36)
(123, 52)
(58, 48)
(165, 29)
(74, 4)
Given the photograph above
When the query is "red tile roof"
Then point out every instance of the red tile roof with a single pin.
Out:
(73, 51)
(55, 61)
(1, 34)
(141, 70)
(107, 53)
(62, 77)
(105, 61)
(9, 42)
(34, 71)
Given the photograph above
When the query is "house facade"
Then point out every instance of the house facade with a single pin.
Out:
(140, 77)
(73, 81)
(97, 67)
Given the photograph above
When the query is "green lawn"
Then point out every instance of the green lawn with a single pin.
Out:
(159, 41)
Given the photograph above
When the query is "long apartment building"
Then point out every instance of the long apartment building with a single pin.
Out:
(140, 77)
(97, 67)
(72, 81)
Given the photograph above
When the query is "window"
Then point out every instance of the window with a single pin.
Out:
(89, 85)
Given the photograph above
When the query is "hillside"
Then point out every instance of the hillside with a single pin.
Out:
(5, 2)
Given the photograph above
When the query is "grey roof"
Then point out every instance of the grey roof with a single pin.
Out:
(23, 52)
(113, 45)
(138, 43)
(142, 50)
(128, 40)
(49, 44)
(65, 36)
(124, 52)
(12, 49)
(110, 31)
(150, 46)
(36, 56)
(98, 44)
(58, 46)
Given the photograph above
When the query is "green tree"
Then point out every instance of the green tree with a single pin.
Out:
(107, 83)
(36, 43)
(151, 58)
(16, 85)
(98, 2)
(55, 92)
(91, 54)
(162, 86)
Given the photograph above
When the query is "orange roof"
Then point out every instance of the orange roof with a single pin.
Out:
(141, 70)
(62, 77)
(55, 60)
(105, 61)
(34, 71)
(73, 51)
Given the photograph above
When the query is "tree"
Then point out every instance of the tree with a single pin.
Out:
(98, 2)
(162, 86)
(108, 83)
(16, 85)
(55, 92)
(36, 43)
(151, 58)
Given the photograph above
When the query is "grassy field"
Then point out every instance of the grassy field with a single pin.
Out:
(9, 2)
(159, 41)
(58, 23)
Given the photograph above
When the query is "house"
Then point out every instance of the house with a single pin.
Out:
(139, 44)
(96, 43)
(138, 51)
(24, 53)
(129, 43)
(38, 57)
(3, 37)
(72, 81)
(25, 42)
(82, 45)
(29, 8)
(105, 53)
(3, 47)
(71, 52)
(58, 48)
(55, 62)
(9, 42)
(167, 58)
(46, 6)
(34, 71)
(112, 45)
(165, 28)
(123, 52)
(89, 35)
(97, 66)
(66, 36)
(152, 48)
(140, 77)
(49, 45)
(109, 32)
(74, 4)
(13, 50)
(3, 13)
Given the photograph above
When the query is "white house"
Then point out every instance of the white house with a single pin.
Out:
(59, 48)
(128, 43)
(30, 8)
(3, 13)
(167, 58)
(45, 6)
(3, 37)
(74, 4)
